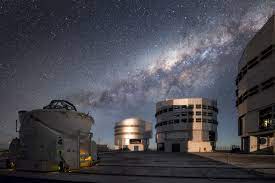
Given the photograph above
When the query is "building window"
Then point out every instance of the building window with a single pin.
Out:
(210, 121)
(253, 91)
(268, 49)
(244, 96)
(184, 114)
(198, 113)
(210, 114)
(198, 106)
(204, 113)
(128, 133)
(121, 126)
(190, 120)
(176, 121)
(190, 113)
(267, 52)
(164, 110)
(265, 119)
(252, 63)
(183, 120)
(190, 106)
(210, 107)
(204, 106)
(244, 70)
(184, 106)
(177, 115)
(135, 141)
(240, 124)
(266, 55)
(160, 146)
(176, 107)
(171, 122)
(204, 120)
(198, 119)
(212, 136)
(268, 83)
(171, 109)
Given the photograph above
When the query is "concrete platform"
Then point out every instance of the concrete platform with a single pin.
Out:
(165, 167)
(256, 162)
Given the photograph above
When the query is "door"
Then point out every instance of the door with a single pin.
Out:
(135, 148)
(160, 146)
(175, 147)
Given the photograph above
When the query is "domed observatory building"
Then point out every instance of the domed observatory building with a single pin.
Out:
(133, 134)
(186, 125)
(57, 133)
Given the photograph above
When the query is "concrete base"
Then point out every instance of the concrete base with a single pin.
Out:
(251, 144)
(187, 146)
(168, 146)
(133, 147)
(199, 147)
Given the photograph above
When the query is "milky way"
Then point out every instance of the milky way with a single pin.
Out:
(116, 59)
(188, 68)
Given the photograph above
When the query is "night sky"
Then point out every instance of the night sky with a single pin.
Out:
(115, 59)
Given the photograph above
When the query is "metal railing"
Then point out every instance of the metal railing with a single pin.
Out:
(227, 148)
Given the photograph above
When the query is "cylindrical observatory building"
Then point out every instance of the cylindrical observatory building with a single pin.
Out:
(186, 125)
(57, 133)
(133, 134)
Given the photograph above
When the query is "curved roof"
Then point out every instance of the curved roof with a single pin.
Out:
(129, 121)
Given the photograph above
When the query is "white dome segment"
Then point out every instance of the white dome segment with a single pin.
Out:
(68, 122)
(61, 116)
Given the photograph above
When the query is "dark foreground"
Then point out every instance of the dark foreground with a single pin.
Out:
(162, 167)
(29, 180)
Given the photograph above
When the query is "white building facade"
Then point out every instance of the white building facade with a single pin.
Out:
(256, 92)
(186, 125)
(132, 134)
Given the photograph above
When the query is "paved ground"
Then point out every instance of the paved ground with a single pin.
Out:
(166, 167)
(260, 163)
